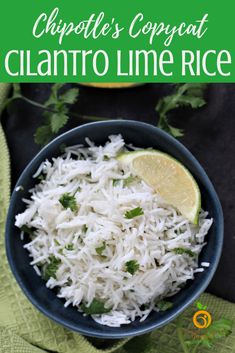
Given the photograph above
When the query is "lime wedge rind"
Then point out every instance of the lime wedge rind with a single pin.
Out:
(152, 166)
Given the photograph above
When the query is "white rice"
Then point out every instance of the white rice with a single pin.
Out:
(36, 269)
(21, 235)
(199, 270)
(205, 264)
(149, 239)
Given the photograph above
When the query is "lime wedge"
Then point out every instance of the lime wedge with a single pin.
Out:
(168, 177)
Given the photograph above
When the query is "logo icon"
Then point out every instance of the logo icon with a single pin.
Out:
(202, 318)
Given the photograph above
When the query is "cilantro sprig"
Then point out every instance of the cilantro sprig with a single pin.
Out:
(184, 95)
(55, 110)
(57, 114)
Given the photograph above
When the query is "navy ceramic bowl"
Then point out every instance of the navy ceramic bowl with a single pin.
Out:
(141, 135)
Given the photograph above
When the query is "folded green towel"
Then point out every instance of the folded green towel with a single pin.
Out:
(23, 329)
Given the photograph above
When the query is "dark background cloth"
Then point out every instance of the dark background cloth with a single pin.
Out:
(209, 135)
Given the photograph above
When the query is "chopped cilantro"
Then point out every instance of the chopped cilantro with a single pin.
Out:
(181, 251)
(100, 249)
(144, 307)
(68, 201)
(69, 247)
(135, 212)
(69, 282)
(84, 228)
(128, 180)
(51, 268)
(96, 307)
(116, 182)
(27, 229)
(132, 266)
(41, 177)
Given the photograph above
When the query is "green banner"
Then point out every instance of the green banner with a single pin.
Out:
(117, 41)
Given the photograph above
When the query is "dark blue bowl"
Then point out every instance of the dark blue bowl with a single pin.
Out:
(141, 135)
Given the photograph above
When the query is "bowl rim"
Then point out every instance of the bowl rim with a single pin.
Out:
(192, 297)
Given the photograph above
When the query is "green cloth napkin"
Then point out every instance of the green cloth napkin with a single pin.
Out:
(23, 329)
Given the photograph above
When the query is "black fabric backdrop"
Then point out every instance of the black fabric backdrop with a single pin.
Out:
(209, 135)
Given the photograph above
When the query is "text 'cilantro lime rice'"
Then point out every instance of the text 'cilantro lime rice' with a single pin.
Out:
(105, 239)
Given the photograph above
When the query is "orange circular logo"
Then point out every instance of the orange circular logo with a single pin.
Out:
(202, 319)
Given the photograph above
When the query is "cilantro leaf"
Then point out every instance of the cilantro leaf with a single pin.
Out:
(70, 96)
(184, 95)
(51, 269)
(27, 229)
(69, 201)
(128, 180)
(116, 182)
(43, 135)
(164, 305)
(132, 266)
(84, 228)
(135, 212)
(181, 251)
(100, 249)
(53, 98)
(69, 247)
(58, 120)
(41, 177)
(96, 307)
(174, 131)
